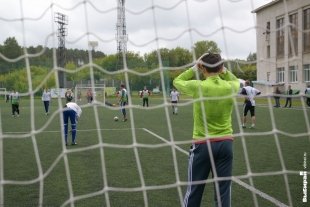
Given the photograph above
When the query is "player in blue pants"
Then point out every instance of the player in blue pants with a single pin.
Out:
(223, 159)
(72, 111)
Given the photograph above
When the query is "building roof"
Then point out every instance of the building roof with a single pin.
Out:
(266, 5)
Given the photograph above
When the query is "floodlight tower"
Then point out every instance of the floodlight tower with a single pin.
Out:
(62, 32)
(93, 45)
(121, 34)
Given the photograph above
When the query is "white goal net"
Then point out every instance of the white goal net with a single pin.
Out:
(143, 160)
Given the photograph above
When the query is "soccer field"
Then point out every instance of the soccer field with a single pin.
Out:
(144, 161)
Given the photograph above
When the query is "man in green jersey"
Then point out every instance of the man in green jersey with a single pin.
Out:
(211, 149)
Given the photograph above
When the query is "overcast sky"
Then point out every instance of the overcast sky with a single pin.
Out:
(229, 23)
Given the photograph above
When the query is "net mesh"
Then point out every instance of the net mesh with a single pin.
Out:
(104, 143)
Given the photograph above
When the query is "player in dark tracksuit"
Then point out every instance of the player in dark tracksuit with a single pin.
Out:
(212, 133)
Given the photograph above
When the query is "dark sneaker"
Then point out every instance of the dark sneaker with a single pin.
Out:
(74, 143)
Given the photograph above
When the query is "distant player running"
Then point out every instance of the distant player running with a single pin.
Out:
(46, 98)
(249, 103)
(174, 95)
(123, 101)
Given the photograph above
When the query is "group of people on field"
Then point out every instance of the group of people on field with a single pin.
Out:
(288, 94)
(211, 148)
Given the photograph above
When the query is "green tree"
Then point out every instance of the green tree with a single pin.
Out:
(251, 57)
(179, 57)
(11, 50)
(108, 62)
(202, 47)
(152, 59)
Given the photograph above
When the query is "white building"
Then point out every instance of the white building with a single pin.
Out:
(283, 44)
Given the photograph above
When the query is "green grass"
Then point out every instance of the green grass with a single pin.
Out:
(87, 160)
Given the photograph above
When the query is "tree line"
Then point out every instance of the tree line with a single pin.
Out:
(14, 76)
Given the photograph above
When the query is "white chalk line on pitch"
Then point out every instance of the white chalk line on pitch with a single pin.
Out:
(78, 130)
(236, 180)
(166, 141)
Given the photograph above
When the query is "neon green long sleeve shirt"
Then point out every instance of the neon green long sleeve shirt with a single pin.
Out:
(212, 113)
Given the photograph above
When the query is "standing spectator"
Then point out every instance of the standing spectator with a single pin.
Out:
(46, 98)
(123, 101)
(15, 103)
(212, 131)
(249, 103)
(145, 96)
(69, 95)
(73, 112)
(79, 95)
(289, 94)
(89, 95)
(7, 97)
(307, 94)
(277, 97)
(174, 95)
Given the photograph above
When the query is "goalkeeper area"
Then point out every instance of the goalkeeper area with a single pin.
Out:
(98, 92)
(144, 162)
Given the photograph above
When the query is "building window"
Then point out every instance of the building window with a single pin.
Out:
(267, 32)
(307, 73)
(293, 74)
(280, 37)
(268, 76)
(306, 28)
(268, 51)
(280, 75)
(293, 35)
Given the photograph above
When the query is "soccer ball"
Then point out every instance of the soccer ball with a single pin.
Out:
(115, 118)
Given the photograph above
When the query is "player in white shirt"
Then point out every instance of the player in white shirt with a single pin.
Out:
(145, 96)
(73, 112)
(174, 95)
(14, 97)
(249, 103)
(307, 95)
(46, 98)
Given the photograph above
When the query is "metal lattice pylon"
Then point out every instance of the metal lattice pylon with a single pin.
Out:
(121, 34)
(62, 32)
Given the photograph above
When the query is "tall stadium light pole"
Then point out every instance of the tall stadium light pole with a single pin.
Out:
(93, 45)
(121, 34)
(62, 32)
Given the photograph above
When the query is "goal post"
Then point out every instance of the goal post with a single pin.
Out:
(99, 93)
(3, 92)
